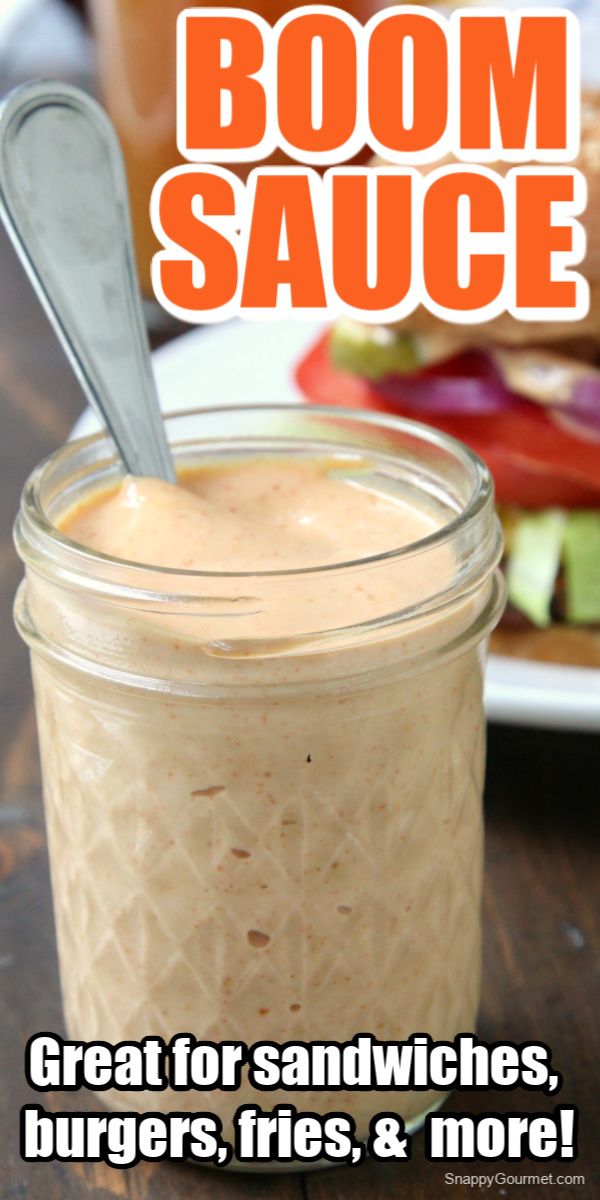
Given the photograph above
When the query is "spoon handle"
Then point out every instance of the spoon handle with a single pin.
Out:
(64, 201)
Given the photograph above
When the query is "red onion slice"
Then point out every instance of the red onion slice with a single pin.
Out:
(468, 385)
(584, 404)
(477, 383)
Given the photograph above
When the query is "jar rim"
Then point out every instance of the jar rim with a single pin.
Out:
(35, 527)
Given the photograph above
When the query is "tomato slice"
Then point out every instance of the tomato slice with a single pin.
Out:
(535, 462)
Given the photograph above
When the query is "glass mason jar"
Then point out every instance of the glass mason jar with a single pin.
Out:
(255, 837)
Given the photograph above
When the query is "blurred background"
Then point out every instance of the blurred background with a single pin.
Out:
(39, 36)
(132, 67)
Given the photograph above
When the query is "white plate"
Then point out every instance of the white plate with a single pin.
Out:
(252, 362)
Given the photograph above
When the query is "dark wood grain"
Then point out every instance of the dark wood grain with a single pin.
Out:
(541, 902)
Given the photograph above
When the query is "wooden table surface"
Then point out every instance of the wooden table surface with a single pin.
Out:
(541, 898)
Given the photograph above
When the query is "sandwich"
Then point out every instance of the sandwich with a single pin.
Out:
(526, 397)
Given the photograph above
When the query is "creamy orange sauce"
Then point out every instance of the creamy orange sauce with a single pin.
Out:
(272, 515)
(262, 515)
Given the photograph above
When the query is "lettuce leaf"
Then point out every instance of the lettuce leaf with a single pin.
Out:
(582, 567)
(534, 562)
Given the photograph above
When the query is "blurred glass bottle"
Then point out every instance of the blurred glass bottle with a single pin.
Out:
(136, 62)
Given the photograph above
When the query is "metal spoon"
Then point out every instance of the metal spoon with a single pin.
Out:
(64, 202)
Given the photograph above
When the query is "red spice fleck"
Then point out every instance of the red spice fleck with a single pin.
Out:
(258, 939)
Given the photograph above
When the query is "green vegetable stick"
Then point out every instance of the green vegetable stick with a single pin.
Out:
(534, 562)
(582, 567)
